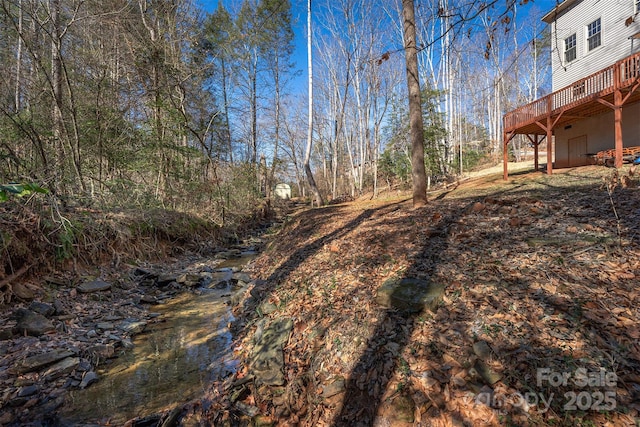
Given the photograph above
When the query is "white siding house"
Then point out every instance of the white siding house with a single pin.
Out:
(602, 32)
(595, 103)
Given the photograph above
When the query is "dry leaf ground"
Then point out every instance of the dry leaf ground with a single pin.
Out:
(541, 273)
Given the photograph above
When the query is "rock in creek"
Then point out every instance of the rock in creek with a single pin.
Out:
(132, 326)
(88, 379)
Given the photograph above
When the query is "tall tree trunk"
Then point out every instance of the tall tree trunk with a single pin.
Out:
(19, 59)
(225, 100)
(254, 111)
(56, 87)
(415, 107)
(307, 155)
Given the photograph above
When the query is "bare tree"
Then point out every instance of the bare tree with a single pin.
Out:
(307, 155)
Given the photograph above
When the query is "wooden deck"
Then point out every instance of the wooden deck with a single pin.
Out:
(609, 89)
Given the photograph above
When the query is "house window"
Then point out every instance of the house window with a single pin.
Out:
(570, 48)
(594, 34)
(637, 6)
(578, 90)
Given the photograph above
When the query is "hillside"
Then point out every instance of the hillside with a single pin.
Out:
(537, 324)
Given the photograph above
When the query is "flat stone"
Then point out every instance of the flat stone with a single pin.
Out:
(22, 292)
(410, 295)
(166, 279)
(94, 286)
(132, 327)
(42, 308)
(31, 323)
(29, 390)
(148, 299)
(57, 281)
(88, 379)
(59, 307)
(105, 326)
(63, 367)
(267, 359)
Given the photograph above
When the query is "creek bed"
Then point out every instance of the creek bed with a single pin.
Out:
(171, 363)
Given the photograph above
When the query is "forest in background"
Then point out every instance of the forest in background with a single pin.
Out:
(161, 104)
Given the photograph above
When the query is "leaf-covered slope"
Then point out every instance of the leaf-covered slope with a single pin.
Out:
(539, 276)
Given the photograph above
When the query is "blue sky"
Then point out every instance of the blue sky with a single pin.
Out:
(299, 15)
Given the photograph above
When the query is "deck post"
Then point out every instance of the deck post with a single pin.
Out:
(549, 130)
(505, 156)
(617, 114)
(536, 161)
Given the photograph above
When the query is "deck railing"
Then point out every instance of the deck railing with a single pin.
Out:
(622, 74)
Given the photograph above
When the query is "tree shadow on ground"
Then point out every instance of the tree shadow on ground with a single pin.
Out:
(532, 347)
(369, 378)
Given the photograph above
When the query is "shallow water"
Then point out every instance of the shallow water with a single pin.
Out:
(172, 362)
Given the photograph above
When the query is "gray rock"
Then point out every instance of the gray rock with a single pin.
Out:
(132, 327)
(63, 367)
(404, 408)
(241, 277)
(205, 281)
(42, 308)
(410, 294)
(97, 285)
(88, 379)
(28, 390)
(31, 323)
(189, 279)
(267, 359)
(148, 299)
(105, 326)
(238, 296)
(84, 366)
(219, 284)
(267, 308)
(60, 310)
(166, 279)
(22, 292)
(482, 350)
(102, 351)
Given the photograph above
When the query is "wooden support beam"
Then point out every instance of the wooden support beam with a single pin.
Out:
(506, 138)
(617, 114)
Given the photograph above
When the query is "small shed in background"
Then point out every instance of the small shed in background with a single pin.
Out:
(283, 191)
